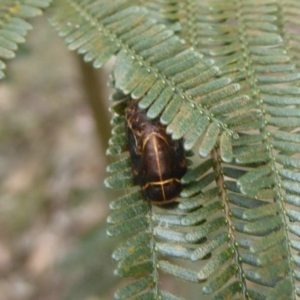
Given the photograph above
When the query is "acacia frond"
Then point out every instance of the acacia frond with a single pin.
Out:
(253, 47)
(210, 70)
(154, 65)
(190, 231)
(13, 27)
(259, 189)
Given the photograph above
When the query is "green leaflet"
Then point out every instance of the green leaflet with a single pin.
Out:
(201, 214)
(209, 246)
(217, 91)
(234, 173)
(215, 263)
(209, 139)
(178, 271)
(198, 186)
(139, 255)
(128, 226)
(119, 180)
(173, 250)
(290, 174)
(160, 103)
(171, 110)
(191, 203)
(261, 212)
(144, 86)
(183, 122)
(196, 132)
(126, 200)
(254, 175)
(197, 172)
(134, 288)
(265, 258)
(243, 117)
(291, 186)
(183, 78)
(282, 99)
(228, 106)
(266, 275)
(273, 239)
(169, 235)
(132, 243)
(282, 290)
(288, 147)
(294, 229)
(226, 147)
(294, 215)
(121, 164)
(202, 231)
(135, 270)
(168, 296)
(292, 199)
(219, 280)
(228, 292)
(153, 94)
(132, 211)
(168, 218)
(146, 296)
(286, 136)
(288, 161)
(259, 228)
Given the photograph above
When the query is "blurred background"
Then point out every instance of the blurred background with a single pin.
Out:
(54, 126)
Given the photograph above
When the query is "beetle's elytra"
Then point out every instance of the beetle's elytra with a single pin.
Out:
(158, 162)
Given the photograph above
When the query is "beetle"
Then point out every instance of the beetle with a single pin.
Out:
(158, 163)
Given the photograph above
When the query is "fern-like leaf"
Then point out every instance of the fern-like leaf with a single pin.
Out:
(268, 141)
(14, 27)
(133, 215)
(153, 65)
(239, 209)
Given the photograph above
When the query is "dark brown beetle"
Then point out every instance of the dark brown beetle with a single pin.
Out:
(158, 162)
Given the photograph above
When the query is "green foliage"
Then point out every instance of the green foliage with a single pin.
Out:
(224, 75)
(13, 27)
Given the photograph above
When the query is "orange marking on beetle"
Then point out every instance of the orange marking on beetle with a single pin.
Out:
(160, 182)
(158, 166)
(151, 135)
